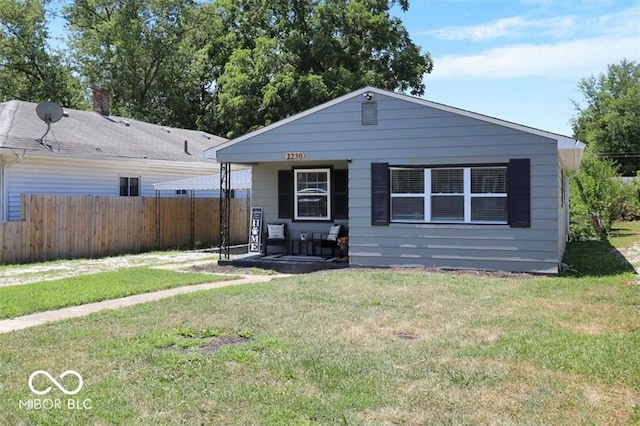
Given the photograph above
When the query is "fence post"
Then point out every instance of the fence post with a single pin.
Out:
(193, 218)
(157, 220)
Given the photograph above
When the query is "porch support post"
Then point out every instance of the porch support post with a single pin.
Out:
(225, 208)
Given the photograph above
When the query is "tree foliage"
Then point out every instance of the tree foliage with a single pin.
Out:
(29, 70)
(599, 197)
(610, 121)
(138, 50)
(294, 54)
(229, 66)
(224, 66)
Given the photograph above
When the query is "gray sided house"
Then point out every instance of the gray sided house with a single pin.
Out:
(416, 183)
(93, 153)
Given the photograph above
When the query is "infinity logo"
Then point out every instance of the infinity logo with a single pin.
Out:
(55, 382)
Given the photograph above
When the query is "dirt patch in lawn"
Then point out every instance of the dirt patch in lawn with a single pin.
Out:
(47, 271)
(211, 347)
(221, 341)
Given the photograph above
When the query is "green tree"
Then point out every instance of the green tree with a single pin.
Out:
(292, 55)
(29, 70)
(610, 121)
(230, 66)
(140, 50)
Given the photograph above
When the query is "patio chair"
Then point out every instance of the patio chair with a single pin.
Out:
(328, 239)
(276, 235)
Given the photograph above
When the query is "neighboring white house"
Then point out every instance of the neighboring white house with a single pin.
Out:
(417, 183)
(240, 184)
(93, 153)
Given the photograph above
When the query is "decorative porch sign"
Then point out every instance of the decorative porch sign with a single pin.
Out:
(255, 230)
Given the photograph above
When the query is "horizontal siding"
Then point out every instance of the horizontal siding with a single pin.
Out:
(69, 176)
(458, 245)
(410, 134)
(513, 265)
(447, 150)
(265, 191)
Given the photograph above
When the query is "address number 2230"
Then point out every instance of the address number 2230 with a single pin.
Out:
(294, 155)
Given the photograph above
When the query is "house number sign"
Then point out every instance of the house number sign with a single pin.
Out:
(294, 156)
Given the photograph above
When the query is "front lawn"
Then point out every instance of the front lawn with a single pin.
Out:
(25, 299)
(348, 347)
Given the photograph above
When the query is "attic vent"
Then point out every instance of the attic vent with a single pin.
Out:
(369, 113)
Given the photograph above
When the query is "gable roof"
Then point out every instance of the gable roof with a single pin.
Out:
(570, 150)
(89, 134)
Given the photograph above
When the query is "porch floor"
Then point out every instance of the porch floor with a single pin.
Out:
(288, 264)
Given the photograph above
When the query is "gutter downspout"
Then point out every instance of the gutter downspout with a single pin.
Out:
(4, 190)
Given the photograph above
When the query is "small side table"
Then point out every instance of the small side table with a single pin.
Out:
(298, 245)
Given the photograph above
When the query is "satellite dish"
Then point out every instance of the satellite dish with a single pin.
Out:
(49, 112)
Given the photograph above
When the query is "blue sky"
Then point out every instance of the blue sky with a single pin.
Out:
(518, 60)
(521, 61)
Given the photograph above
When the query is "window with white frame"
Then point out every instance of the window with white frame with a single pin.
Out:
(449, 194)
(129, 186)
(312, 194)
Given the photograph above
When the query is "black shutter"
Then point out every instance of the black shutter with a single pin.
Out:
(519, 194)
(380, 194)
(285, 194)
(341, 194)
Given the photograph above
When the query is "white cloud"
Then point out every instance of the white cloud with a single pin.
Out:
(573, 59)
(518, 27)
(605, 39)
(511, 27)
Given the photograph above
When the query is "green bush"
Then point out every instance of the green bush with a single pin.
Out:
(599, 197)
(627, 206)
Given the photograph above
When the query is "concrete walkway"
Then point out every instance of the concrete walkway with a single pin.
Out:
(19, 323)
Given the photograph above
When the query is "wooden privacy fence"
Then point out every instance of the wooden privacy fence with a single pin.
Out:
(65, 227)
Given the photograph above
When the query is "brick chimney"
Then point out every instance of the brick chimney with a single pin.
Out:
(101, 100)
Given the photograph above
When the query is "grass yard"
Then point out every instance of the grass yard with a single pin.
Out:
(351, 347)
(25, 299)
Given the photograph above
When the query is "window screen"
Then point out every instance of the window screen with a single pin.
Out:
(407, 195)
(312, 193)
(454, 194)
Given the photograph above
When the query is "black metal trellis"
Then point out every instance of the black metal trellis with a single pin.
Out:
(225, 208)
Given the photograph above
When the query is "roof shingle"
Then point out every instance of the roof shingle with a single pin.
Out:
(89, 134)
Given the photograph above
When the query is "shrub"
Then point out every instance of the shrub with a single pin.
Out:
(599, 197)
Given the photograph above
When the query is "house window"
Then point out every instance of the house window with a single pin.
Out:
(129, 186)
(312, 199)
(335, 206)
(407, 195)
(450, 195)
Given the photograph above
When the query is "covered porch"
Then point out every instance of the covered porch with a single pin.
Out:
(309, 201)
(287, 263)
